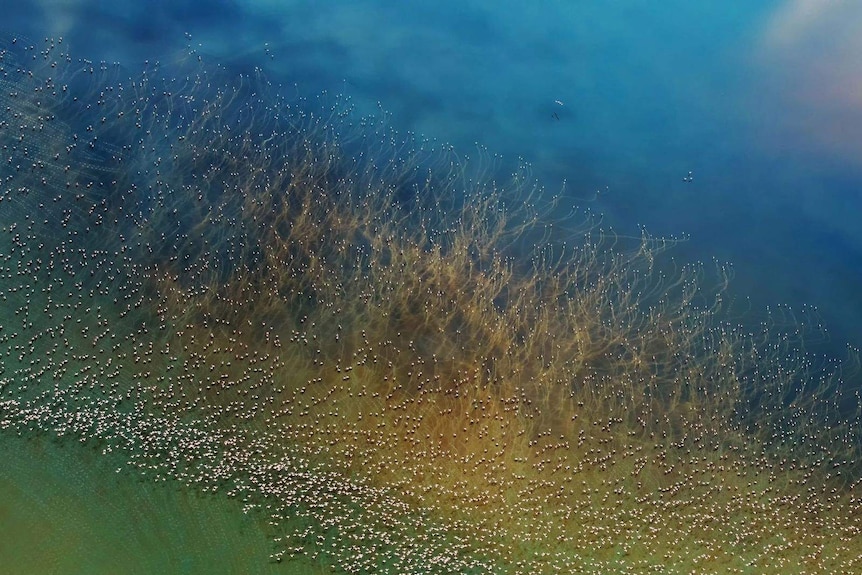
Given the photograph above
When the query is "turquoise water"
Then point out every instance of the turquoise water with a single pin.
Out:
(756, 100)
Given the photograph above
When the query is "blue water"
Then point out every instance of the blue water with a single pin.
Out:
(760, 102)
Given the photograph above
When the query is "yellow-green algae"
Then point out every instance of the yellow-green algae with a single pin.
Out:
(67, 509)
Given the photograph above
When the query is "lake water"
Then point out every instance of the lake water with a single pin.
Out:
(760, 103)
(732, 130)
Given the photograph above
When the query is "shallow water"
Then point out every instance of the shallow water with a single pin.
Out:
(67, 509)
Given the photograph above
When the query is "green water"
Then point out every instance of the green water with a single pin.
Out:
(65, 510)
